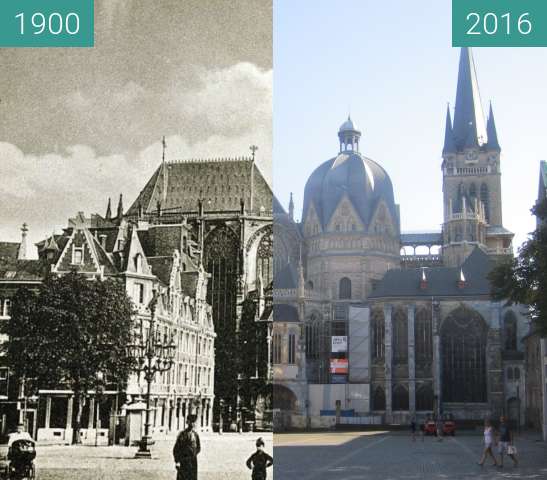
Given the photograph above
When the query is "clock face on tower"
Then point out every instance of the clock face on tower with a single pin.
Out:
(471, 155)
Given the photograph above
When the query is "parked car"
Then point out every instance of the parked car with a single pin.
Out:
(449, 425)
(430, 427)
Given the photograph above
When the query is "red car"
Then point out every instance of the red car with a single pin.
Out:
(449, 426)
(430, 428)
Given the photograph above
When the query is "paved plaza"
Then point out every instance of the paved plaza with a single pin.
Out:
(393, 456)
(222, 458)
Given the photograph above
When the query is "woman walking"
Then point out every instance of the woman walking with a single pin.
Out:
(488, 441)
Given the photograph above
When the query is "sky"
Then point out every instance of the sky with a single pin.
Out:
(391, 65)
(78, 126)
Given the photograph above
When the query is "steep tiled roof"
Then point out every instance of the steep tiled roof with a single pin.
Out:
(9, 250)
(161, 267)
(189, 283)
(284, 313)
(441, 281)
(221, 183)
(286, 277)
(22, 270)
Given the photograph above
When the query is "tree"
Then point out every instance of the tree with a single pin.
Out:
(69, 333)
(523, 279)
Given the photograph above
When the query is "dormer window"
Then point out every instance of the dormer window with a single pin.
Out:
(138, 262)
(77, 255)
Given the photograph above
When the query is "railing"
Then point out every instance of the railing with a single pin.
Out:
(290, 293)
(500, 251)
(414, 261)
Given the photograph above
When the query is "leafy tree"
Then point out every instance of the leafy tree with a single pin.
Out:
(523, 279)
(67, 332)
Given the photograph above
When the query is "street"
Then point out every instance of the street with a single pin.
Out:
(222, 458)
(393, 456)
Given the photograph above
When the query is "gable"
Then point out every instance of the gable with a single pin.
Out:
(312, 225)
(345, 217)
(382, 222)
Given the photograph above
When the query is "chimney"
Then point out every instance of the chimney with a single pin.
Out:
(22, 254)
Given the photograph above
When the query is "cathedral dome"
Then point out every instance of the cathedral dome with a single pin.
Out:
(362, 180)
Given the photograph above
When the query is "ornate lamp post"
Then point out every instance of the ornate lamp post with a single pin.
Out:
(153, 356)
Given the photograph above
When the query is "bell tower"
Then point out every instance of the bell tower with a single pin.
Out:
(471, 174)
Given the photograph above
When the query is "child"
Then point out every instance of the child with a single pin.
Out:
(259, 461)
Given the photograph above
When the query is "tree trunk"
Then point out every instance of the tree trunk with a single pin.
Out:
(80, 398)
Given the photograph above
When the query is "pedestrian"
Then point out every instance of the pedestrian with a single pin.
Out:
(259, 461)
(186, 450)
(505, 444)
(413, 429)
(439, 430)
(488, 441)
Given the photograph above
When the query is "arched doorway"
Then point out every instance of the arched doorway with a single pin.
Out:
(284, 403)
(463, 343)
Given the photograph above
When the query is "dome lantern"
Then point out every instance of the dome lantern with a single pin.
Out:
(349, 136)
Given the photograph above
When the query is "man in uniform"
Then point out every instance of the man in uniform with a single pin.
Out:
(186, 451)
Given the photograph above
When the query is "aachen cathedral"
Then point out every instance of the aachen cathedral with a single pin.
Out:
(372, 325)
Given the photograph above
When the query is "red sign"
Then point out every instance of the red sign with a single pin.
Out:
(339, 366)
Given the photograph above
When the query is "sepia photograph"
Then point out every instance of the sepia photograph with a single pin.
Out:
(136, 247)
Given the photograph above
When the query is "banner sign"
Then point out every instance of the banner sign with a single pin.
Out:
(339, 366)
(339, 344)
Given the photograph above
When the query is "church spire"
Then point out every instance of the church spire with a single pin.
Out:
(469, 125)
(291, 208)
(449, 145)
(108, 215)
(120, 208)
(493, 143)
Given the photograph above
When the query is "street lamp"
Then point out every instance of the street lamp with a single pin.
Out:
(153, 355)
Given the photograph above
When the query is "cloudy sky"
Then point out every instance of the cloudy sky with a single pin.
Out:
(80, 125)
(392, 65)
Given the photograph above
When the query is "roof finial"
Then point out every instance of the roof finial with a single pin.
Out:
(164, 148)
(253, 149)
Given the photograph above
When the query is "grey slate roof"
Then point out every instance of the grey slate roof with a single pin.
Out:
(498, 230)
(441, 281)
(421, 238)
(286, 278)
(284, 313)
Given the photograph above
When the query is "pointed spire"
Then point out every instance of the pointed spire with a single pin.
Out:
(493, 143)
(469, 125)
(108, 215)
(462, 276)
(291, 208)
(120, 208)
(449, 145)
(22, 254)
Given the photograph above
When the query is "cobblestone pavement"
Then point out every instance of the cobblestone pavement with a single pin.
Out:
(393, 456)
(222, 458)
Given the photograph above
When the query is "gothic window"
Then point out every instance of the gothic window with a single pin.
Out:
(510, 331)
(424, 398)
(379, 399)
(472, 190)
(484, 200)
(309, 285)
(464, 357)
(400, 398)
(345, 288)
(423, 337)
(378, 335)
(315, 335)
(292, 349)
(221, 259)
(400, 337)
(264, 259)
(276, 348)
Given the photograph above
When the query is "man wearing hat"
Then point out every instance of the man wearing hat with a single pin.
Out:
(259, 461)
(186, 451)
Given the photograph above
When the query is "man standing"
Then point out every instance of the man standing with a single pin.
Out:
(506, 442)
(186, 451)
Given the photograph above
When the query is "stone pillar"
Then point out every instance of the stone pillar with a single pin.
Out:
(436, 320)
(388, 361)
(48, 411)
(91, 415)
(494, 363)
(411, 362)
(69, 412)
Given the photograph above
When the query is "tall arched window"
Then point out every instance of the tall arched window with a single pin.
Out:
(485, 201)
(464, 356)
(423, 337)
(472, 190)
(379, 399)
(400, 337)
(400, 398)
(378, 336)
(345, 288)
(510, 331)
(424, 398)
(264, 259)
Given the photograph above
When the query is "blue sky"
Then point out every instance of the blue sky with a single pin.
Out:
(392, 65)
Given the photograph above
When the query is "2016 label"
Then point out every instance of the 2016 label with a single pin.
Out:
(491, 25)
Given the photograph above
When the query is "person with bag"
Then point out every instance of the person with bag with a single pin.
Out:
(186, 450)
(506, 445)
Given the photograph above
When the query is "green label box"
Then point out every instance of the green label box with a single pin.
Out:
(499, 23)
(46, 23)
